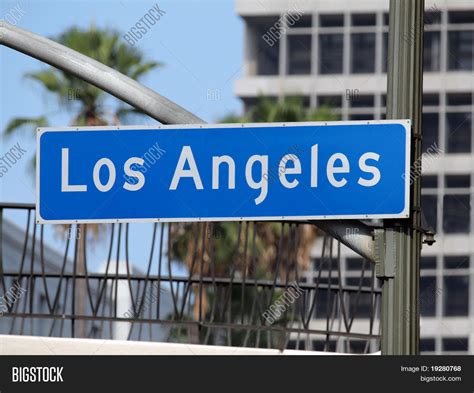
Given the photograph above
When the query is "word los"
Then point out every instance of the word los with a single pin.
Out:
(10, 158)
(37, 374)
(337, 165)
(143, 26)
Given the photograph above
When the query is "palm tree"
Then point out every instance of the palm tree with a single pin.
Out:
(87, 104)
(269, 240)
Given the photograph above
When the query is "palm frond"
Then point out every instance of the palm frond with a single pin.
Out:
(20, 123)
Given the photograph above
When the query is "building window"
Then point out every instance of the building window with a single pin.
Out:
(455, 344)
(428, 263)
(265, 51)
(330, 53)
(455, 295)
(296, 21)
(362, 53)
(362, 101)
(363, 19)
(457, 204)
(323, 345)
(384, 52)
(464, 16)
(331, 20)
(355, 263)
(294, 344)
(431, 52)
(431, 99)
(430, 130)
(299, 54)
(325, 301)
(361, 117)
(460, 50)
(428, 294)
(456, 262)
(360, 304)
(459, 99)
(427, 345)
(458, 132)
(429, 205)
(331, 101)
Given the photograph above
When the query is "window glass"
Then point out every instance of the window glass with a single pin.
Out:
(299, 54)
(432, 17)
(430, 130)
(330, 53)
(332, 101)
(324, 303)
(454, 99)
(429, 181)
(362, 101)
(458, 181)
(295, 20)
(362, 53)
(384, 51)
(464, 16)
(427, 345)
(428, 295)
(456, 296)
(267, 40)
(431, 51)
(429, 206)
(460, 50)
(456, 213)
(363, 19)
(456, 262)
(331, 20)
(428, 263)
(430, 99)
(354, 264)
(458, 132)
(455, 344)
(323, 345)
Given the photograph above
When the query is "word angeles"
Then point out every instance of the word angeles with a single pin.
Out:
(143, 26)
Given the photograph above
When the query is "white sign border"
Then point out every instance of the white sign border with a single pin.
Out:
(405, 213)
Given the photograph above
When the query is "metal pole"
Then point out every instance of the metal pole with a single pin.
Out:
(400, 291)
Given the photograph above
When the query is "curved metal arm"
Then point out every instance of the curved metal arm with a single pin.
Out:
(98, 74)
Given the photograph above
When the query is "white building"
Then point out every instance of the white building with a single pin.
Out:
(335, 53)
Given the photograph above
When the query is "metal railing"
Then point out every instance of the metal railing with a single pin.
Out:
(238, 302)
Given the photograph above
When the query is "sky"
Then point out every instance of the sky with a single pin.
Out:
(199, 43)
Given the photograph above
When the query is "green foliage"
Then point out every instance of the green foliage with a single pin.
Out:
(290, 109)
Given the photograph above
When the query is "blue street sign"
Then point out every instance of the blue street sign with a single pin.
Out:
(225, 172)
